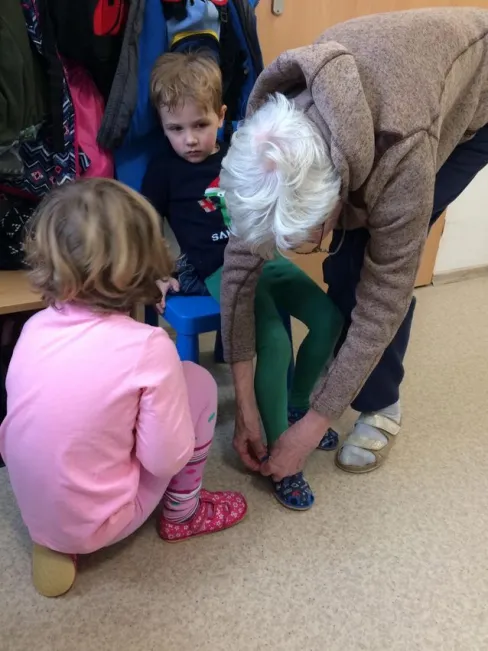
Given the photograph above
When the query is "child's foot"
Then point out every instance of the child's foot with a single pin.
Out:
(294, 492)
(329, 441)
(53, 573)
(216, 512)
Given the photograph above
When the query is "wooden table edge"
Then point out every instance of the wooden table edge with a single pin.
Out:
(35, 304)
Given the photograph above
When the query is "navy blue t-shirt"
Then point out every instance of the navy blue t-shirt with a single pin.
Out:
(188, 196)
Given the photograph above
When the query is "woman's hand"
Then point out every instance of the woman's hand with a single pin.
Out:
(164, 286)
(290, 452)
(248, 442)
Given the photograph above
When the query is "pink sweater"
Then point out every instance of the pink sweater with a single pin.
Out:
(92, 399)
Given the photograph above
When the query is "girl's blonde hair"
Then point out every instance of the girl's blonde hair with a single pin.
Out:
(99, 243)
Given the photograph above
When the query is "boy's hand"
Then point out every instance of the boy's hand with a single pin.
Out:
(164, 286)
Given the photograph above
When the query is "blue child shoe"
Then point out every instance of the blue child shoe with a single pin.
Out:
(329, 441)
(294, 492)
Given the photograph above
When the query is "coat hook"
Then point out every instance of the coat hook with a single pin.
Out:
(278, 7)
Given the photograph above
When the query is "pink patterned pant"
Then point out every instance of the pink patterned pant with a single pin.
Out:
(180, 498)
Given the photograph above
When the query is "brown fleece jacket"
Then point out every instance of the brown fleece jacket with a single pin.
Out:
(393, 95)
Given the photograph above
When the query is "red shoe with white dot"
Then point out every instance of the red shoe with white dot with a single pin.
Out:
(216, 512)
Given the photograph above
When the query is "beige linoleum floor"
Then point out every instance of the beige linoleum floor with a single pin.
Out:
(392, 561)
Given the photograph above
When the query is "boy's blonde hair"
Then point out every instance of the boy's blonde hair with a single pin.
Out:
(180, 77)
(99, 243)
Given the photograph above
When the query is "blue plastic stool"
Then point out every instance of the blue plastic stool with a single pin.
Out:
(191, 316)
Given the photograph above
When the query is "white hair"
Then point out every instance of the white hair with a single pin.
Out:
(278, 179)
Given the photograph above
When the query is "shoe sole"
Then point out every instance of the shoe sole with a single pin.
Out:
(291, 508)
(53, 573)
(205, 533)
(358, 470)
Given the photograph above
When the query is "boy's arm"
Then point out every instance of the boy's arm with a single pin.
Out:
(155, 185)
(165, 437)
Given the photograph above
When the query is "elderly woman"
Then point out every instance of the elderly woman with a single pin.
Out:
(371, 132)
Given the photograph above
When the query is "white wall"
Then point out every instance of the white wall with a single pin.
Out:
(464, 243)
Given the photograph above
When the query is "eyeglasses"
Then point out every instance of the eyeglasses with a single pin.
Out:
(307, 248)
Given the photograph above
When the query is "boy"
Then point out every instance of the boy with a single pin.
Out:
(182, 183)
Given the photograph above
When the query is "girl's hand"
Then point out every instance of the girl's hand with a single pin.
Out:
(164, 286)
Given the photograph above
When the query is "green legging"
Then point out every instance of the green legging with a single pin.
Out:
(284, 288)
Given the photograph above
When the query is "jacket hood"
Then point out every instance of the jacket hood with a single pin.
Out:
(328, 84)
